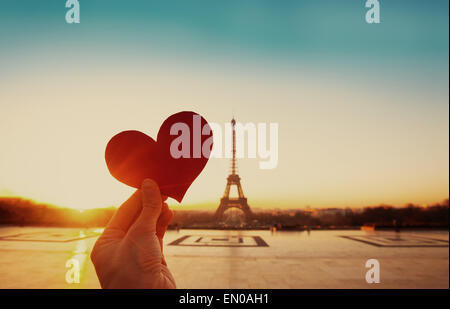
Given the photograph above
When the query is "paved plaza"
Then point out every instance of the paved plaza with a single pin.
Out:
(36, 258)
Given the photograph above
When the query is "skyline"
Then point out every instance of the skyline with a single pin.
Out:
(362, 109)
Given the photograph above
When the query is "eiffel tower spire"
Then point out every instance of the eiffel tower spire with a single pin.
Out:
(233, 160)
(233, 180)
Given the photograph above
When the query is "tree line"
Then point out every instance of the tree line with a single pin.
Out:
(17, 211)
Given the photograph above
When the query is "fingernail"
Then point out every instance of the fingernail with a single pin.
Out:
(148, 184)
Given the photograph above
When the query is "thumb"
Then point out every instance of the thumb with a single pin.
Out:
(151, 207)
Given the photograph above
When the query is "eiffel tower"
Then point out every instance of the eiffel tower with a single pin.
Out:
(233, 180)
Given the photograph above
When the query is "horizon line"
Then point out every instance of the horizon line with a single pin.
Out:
(213, 206)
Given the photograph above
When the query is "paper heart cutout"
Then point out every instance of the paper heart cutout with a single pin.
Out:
(132, 156)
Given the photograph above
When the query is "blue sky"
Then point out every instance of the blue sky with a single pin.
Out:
(410, 31)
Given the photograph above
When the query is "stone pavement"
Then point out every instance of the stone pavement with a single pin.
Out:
(36, 258)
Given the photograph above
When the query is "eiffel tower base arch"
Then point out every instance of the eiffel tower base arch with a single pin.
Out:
(227, 203)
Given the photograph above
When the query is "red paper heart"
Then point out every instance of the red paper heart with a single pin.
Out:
(132, 156)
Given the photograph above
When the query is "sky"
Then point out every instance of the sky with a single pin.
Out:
(362, 109)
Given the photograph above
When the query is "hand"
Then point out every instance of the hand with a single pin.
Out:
(129, 252)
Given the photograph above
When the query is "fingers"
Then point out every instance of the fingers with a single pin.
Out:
(163, 221)
(127, 213)
(151, 207)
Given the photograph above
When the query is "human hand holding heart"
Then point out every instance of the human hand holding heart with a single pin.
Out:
(173, 161)
(129, 253)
